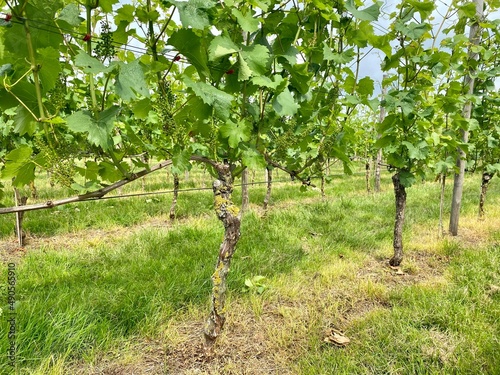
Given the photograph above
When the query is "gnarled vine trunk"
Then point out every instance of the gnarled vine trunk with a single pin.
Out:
(400, 195)
(230, 217)
(485, 181)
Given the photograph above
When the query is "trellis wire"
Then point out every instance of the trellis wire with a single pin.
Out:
(132, 195)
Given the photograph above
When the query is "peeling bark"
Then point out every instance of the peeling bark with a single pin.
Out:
(230, 217)
(400, 195)
(485, 181)
(34, 192)
(174, 199)
(269, 180)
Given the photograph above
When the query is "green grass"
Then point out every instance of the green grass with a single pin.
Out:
(80, 298)
(428, 330)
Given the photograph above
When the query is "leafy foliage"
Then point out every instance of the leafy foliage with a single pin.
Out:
(243, 81)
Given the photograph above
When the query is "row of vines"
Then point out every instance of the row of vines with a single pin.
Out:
(99, 93)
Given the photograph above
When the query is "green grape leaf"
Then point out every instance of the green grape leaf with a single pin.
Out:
(385, 141)
(425, 8)
(109, 172)
(382, 42)
(20, 166)
(88, 187)
(121, 34)
(368, 14)
(418, 151)
(273, 83)
(365, 86)
(90, 172)
(50, 68)
(493, 168)
(99, 130)
(144, 16)
(443, 166)
(339, 58)
(236, 132)
(130, 81)
(181, 160)
(107, 5)
(221, 46)
(91, 64)
(24, 91)
(192, 47)
(247, 22)
(407, 178)
(71, 15)
(412, 30)
(125, 13)
(262, 4)
(194, 13)
(253, 159)
(256, 58)
(349, 84)
(290, 54)
(24, 123)
(300, 77)
(468, 9)
(252, 60)
(244, 72)
(284, 104)
(219, 100)
(141, 108)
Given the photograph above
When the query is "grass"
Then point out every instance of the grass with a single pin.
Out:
(430, 329)
(114, 287)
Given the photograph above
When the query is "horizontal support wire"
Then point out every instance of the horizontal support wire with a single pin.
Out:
(132, 195)
(51, 204)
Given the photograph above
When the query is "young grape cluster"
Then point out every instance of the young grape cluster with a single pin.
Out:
(104, 48)
(56, 98)
(59, 163)
(164, 106)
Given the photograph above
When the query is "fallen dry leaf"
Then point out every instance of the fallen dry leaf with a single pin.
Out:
(398, 270)
(337, 338)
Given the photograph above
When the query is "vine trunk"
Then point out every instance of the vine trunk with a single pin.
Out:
(230, 217)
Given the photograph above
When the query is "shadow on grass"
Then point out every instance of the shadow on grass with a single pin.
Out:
(72, 302)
